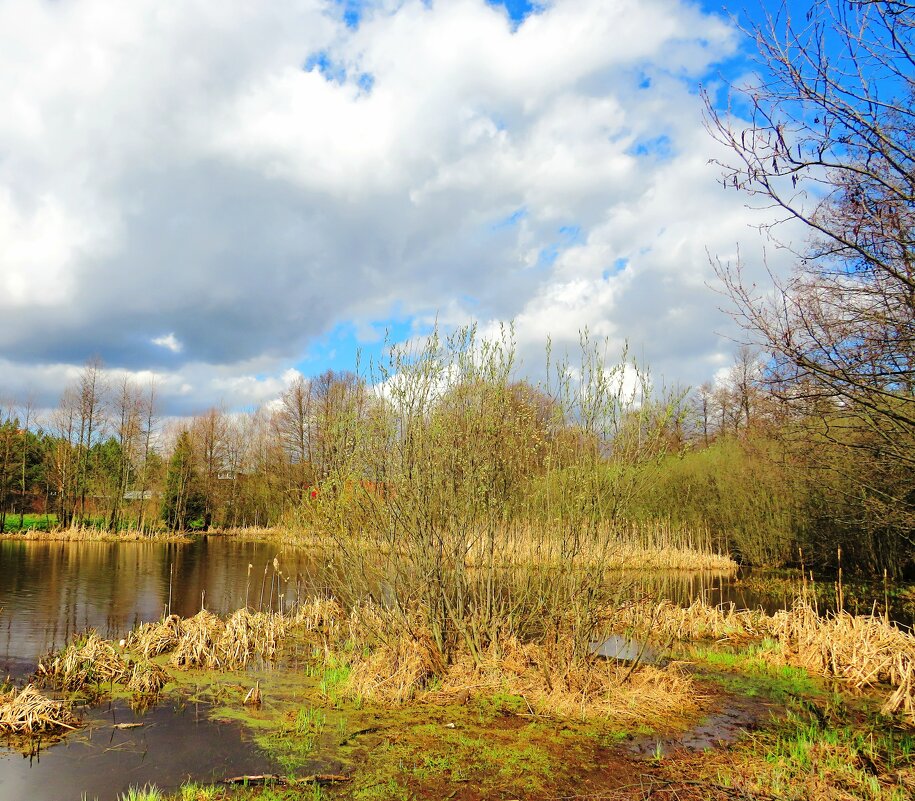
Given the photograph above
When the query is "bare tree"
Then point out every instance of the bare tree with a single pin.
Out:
(149, 423)
(829, 142)
(702, 406)
(295, 422)
(127, 414)
(90, 396)
(209, 434)
(63, 456)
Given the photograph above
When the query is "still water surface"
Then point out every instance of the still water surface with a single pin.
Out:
(52, 590)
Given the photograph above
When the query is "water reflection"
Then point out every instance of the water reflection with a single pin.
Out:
(51, 590)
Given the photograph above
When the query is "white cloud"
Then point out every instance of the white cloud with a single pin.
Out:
(176, 168)
(169, 342)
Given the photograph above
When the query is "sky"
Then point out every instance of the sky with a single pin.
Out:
(224, 195)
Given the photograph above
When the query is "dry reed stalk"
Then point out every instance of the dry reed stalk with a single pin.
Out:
(549, 679)
(90, 661)
(666, 620)
(28, 712)
(206, 641)
(396, 672)
(152, 639)
(92, 534)
(147, 678)
(198, 644)
(860, 650)
(323, 614)
(253, 698)
(94, 660)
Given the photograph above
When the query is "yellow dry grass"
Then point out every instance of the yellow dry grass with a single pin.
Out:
(88, 660)
(28, 712)
(320, 614)
(551, 679)
(93, 534)
(655, 545)
(666, 621)
(208, 641)
(549, 683)
(860, 650)
(92, 660)
(152, 639)
(626, 546)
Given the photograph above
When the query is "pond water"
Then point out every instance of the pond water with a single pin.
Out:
(52, 590)
(175, 742)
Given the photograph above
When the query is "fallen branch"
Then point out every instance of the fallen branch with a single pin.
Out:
(286, 781)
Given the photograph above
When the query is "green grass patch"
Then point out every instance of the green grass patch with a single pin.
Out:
(30, 522)
(831, 750)
(749, 672)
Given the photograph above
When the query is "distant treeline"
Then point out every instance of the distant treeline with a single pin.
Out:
(448, 429)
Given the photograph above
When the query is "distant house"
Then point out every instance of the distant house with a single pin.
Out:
(138, 495)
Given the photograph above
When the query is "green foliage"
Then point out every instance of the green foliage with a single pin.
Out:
(744, 489)
(182, 502)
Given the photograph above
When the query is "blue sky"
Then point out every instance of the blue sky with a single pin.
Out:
(218, 197)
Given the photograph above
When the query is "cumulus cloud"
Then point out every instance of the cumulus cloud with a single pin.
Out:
(247, 176)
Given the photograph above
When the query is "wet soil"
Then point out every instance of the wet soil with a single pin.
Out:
(732, 716)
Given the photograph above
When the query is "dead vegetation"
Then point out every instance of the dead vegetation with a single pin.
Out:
(544, 680)
(208, 641)
(91, 660)
(27, 713)
(666, 621)
(394, 659)
(862, 651)
(88, 660)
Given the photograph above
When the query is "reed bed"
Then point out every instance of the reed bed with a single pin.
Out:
(152, 639)
(208, 641)
(320, 614)
(860, 650)
(94, 534)
(545, 677)
(147, 678)
(88, 660)
(27, 713)
(650, 545)
(666, 621)
(91, 660)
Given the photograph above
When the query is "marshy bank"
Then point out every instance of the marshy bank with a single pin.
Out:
(338, 696)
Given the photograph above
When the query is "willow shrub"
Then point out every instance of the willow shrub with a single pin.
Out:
(744, 489)
(434, 504)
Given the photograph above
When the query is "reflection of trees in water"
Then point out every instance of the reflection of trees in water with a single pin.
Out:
(52, 590)
(714, 588)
